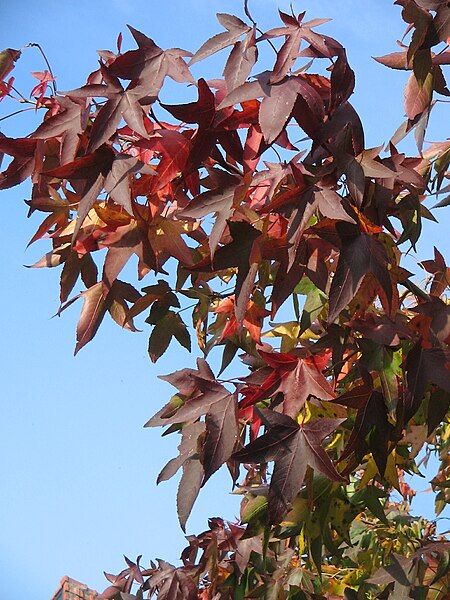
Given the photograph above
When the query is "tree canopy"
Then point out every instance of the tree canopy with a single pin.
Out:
(293, 270)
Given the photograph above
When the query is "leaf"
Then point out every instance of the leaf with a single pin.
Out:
(235, 28)
(188, 489)
(91, 170)
(75, 266)
(7, 59)
(158, 292)
(92, 313)
(293, 447)
(303, 381)
(174, 148)
(202, 111)
(203, 390)
(221, 435)
(170, 325)
(395, 60)
(371, 430)
(95, 305)
(238, 254)
(342, 81)
(247, 91)
(121, 103)
(150, 64)
(424, 365)
(276, 108)
(22, 166)
(66, 123)
(398, 570)
(178, 585)
(187, 449)
(219, 201)
(240, 62)
(360, 254)
(418, 96)
(118, 180)
(165, 238)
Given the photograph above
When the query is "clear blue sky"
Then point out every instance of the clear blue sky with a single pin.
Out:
(78, 470)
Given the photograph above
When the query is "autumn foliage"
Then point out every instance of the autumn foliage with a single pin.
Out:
(291, 268)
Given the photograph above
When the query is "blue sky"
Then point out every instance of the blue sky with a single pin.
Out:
(78, 469)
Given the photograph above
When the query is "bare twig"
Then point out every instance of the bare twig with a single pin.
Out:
(22, 98)
(248, 14)
(38, 46)
(17, 112)
(255, 25)
(277, 153)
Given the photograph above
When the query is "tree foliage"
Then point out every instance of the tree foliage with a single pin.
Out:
(292, 270)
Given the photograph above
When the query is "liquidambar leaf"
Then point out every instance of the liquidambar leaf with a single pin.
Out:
(293, 448)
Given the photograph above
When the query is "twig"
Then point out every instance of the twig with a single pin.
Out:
(248, 14)
(17, 112)
(152, 114)
(277, 153)
(38, 46)
(22, 98)
(444, 49)
(186, 308)
(255, 25)
(341, 362)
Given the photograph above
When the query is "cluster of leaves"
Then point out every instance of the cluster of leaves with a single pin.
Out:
(360, 383)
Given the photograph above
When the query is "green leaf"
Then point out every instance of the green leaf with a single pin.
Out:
(170, 325)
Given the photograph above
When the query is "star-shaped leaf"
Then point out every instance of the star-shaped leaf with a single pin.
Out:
(293, 448)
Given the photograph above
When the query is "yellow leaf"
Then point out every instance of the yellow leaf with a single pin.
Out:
(369, 473)
(298, 513)
(391, 473)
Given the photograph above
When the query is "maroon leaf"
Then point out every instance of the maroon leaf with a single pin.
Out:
(202, 111)
(118, 180)
(203, 390)
(121, 104)
(342, 81)
(361, 253)
(221, 435)
(371, 431)
(219, 201)
(188, 489)
(247, 91)
(417, 96)
(276, 108)
(293, 447)
(424, 365)
(92, 313)
(91, 170)
(150, 64)
(240, 62)
(22, 166)
(235, 28)
(395, 60)
(187, 449)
